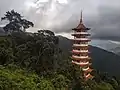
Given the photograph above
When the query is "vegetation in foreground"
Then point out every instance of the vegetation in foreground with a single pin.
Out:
(34, 61)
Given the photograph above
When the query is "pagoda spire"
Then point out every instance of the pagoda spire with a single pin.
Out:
(81, 19)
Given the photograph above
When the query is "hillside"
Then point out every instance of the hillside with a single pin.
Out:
(102, 59)
(116, 50)
(2, 33)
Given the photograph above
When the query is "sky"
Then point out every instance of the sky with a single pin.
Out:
(60, 16)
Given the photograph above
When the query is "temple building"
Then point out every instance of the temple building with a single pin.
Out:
(80, 49)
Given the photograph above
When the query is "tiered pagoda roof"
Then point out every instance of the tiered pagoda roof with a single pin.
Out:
(81, 26)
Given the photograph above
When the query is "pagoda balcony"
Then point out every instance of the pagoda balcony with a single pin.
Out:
(78, 35)
(80, 48)
(81, 29)
(79, 57)
(82, 45)
(81, 63)
(81, 36)
(81, 39)
(80, 51)
(87, 69)
(89, 76)
(77, 53)
(81, 33)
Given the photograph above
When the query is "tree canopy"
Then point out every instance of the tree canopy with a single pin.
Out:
(16, 22)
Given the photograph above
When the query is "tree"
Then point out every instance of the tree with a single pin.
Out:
(45, 84)
(16, 22)
(60, 82)
(38, 51)
(6, 52)
(44, 47)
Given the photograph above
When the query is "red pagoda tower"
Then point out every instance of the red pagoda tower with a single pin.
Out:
(80, 52)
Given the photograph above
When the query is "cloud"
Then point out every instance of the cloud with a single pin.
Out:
(6, 5)
(108, 26)
(103, 17)
(105, 24)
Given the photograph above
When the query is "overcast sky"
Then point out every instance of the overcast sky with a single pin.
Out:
(60, 16)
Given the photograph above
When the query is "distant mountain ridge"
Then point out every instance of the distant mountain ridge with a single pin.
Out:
(2, 32)
(101, 59)
(116, 50)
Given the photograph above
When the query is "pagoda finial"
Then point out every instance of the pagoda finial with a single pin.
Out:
(81, 17)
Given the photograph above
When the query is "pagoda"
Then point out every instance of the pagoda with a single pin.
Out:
(80, 51)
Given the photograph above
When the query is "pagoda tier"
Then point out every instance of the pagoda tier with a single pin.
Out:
(80, 59)
(80, 42)
(81, 34)
(82, 64)
(83, 50)
(78, 46)
(83, 29)
(81, 39)
(88, 76)
(81, 55)
(87, 69)
(80, 52)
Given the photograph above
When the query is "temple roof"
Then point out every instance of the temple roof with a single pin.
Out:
(81, 25)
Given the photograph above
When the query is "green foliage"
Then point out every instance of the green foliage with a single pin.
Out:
(6, 52)
(17, 79)
(46, 84)
(103, 86)
(38, 52)
(60, 82)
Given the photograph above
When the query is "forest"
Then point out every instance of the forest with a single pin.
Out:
(34, 61)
